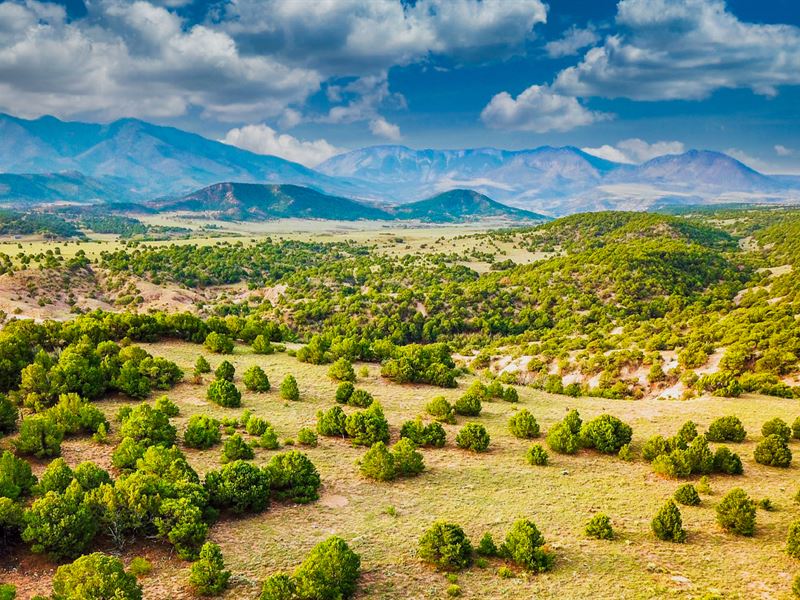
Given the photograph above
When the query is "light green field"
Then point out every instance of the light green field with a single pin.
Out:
(482, 492)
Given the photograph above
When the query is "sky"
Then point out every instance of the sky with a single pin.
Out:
(306, 79)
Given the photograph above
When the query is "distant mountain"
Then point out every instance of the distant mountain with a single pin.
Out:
(25, 189)
(254, 202)
(457, 206)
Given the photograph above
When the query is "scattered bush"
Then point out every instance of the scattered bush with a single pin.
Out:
(599, 527)
(773, 451)
(224, 393)
(256, 426)
(468, 405)
(208, 574)
(219, 343)
(55, 478)
(289, 389)
(366, 427)
(655, 447)
(236, 448)
(563, 437)
(262, 345)
(8, 414)
(524, 545)
(487, 547)
(39, 436)
(16, 478)
(625, 453)
(95, 576)
(407, 460)
(537, 455)
(360, 398)
(523, 425)
(727, 462)
(726, 429)
(332, 422)
(239, 486)
(269, 439)
(667, 524)
(148, 426)
(606, 434)
(445, 546)
(344, 391)
(431, 435)
(90, 476)
(127, 453)
(687, 495)
(167, 406)
(256, 380)
(342, 370)
(674, 465)
(201, 365)
(737, 513)
(202, 432)
(330, 572)
(777, 426)
(279, 587)
(473, 436)
(294, 477)
(225, 371)
(378, 463)
(793, 540)
(307, 437)
(60, 525)
(441, 410)
(140, 567)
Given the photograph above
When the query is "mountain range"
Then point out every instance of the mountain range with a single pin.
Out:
(46, 160)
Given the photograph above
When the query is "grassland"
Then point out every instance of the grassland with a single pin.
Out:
(483, 492)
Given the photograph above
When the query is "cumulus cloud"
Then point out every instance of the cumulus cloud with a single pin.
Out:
(781, 150)
(382, 128)
(538, 109)
(573, 40)
(684, 49)
(262, 139)
(635, 150)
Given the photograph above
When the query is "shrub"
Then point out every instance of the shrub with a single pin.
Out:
(523, 425)
(703, 486)
(8, 415)
(537, 455)
(685, 435)
(256, 380)
(773, 451)
(625, 453)
(453, 590)
(687, 495)
(599, 527)
(524, 545)
(224, 393)
(726, 429)
(289, 389)
(675, 464)
(140, 566)
(202, 432)
(330, 572)
(262, 345)
(510, 395)
(307, 437)
(294, 477)
(148, 426)
(445, 546)
(344, 391)
(468, 405)
(793, 540)
(699, 455)
(208, 575)
(766, 504)
(737, 513)
(473, 436)
(90, 476)
(219, 343)
(796, 586)
(279, 587)
(360, 398)
(487, 547)
(225, 371)
(39, 436)
(95, 576)
(407, 460)
(441, 410)
(269, 439)
(777, 426)
(561, 439)
(60, 525)
(16, 478)
(667, 524)
(368, 426)
(342, 370)
(236, 448)
(201, 365)
(655, 447)
(378, 463)
(127, 453)
(239, 486)
(332, 422)
(727, 462)
(606, 434)
(55, 478)
(256, 425)
(430, 435)
(796, 428)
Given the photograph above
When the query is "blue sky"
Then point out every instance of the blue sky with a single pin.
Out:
(624, 79)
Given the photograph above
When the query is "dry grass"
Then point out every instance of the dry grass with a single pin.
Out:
(484, 492)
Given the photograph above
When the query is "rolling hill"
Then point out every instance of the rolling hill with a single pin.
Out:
(458, 206)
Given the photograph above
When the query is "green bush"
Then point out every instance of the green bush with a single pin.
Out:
(727, 462)
(39, 436)
(344, 391)
(332, 422)
(675, 465)
(360, 398)
(140, 567)
(148, 426)
(262, 345)
(127, 453)
(537, 456)
(407, 460)
(202, 432)
(468, 405)
(330, 572)
(796, 586)
(256, 380)
(236, 448)
(523, 425)
(441, 410)
(793, 540)
(606, 434)
(239, 486)
(687, 495)
(699, 455)
(307, 437)
(625, 453)
(201, 365)
(510, 395)
(736, 513)
(773, 451)
(55, 478)
(208, 575)
(219, 343)
(60, 525)
(562, 440)
(224, 393)
(524, 545)
(368, 426)
(294, 477)
(269, 439)
(796, 428)
(278, 587)
(430, 435)
(76, 415)
(445, 546)
(225, 371)
(342, 370)
(8, 414)
(473, 436)
(16, 478)
(599, 527)
(726, 429)
(655, 447)
(256, 425)
(289, 389)
(487, 547)
(12, 519)
(667, 525)
(378, 463)
(90, 476)
(95, 576)
(777, 426)
(685, 435)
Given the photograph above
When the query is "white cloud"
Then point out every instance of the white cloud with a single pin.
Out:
(574, 39)
(635, 150)
(382, 128)
(684, 49)
(538, 109)
(750, 160)
(781, 150)
(262, 139)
